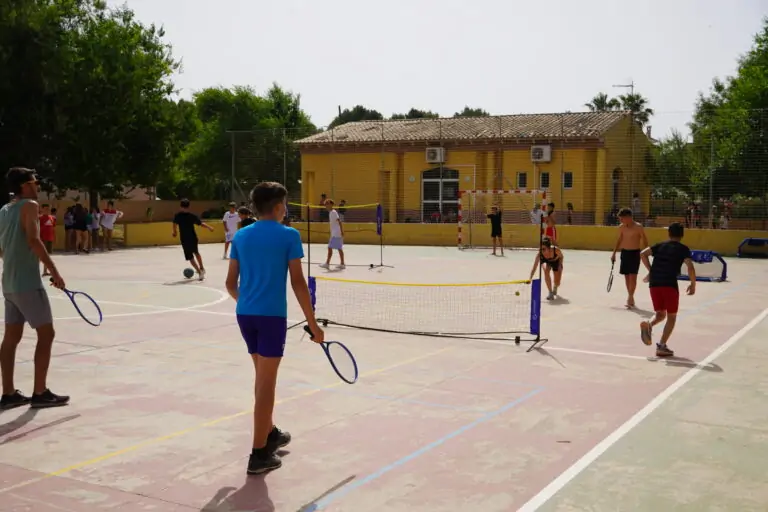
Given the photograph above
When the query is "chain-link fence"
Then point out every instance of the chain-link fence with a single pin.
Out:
(590, 165)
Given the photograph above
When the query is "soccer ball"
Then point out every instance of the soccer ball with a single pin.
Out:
(188, 273)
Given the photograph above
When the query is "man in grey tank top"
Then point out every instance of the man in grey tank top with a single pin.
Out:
(26, 300)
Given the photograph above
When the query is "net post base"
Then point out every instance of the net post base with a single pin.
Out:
(537, 344)
(373, 266)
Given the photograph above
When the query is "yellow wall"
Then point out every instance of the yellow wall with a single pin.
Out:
(600, 238)
(394, 178)
(725, 242)
(159, 233)
(620, 153)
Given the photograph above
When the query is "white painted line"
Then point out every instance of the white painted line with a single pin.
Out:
(583, 463)
(595, 353)
(160, 310)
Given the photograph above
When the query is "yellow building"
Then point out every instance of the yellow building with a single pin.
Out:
(418, 168)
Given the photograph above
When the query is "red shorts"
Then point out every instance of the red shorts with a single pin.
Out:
(551, 232)
(665, 298)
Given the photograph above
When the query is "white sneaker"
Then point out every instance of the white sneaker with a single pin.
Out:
(202, 275)
(551, 296)
(323, 265)
(341, 267)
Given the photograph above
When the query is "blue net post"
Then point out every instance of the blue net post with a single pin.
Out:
(312, 282)
(535, 325)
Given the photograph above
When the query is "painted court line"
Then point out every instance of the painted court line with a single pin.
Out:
(210, 423)
(320, 504)
(590, 457)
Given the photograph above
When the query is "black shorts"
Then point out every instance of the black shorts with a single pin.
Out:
(554, 265)
(496, 232)
(630, 262)
(190, 249)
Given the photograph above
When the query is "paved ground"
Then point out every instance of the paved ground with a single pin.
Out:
(162, 393)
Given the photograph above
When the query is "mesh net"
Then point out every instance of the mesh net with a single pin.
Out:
(451, 310)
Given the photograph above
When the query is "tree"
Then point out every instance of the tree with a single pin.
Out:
(89, 89)
(262, 129)
(358, 113)
(602, 103)
(638, 106)
(472, 112)
(416, 114)
(731, 124)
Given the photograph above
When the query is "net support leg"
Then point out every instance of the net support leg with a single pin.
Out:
(537, 344)
(380, 232)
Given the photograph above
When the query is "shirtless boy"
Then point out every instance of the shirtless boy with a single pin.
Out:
(631, 241)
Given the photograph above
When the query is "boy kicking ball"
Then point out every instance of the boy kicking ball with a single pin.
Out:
(668, 257)
(337, 236)
(260, 259)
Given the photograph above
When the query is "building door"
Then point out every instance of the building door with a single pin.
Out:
(439, 195)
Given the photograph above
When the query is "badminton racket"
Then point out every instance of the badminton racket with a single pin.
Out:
(341, 359)
(610, 277)
(86, 306)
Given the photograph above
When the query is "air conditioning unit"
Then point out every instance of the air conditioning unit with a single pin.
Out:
(435, 155)
(541, 153)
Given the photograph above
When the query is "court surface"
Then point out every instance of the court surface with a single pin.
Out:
(162, 395)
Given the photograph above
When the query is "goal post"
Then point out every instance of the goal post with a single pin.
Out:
(517, 206)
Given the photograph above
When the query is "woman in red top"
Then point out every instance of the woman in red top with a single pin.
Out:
(47, 230)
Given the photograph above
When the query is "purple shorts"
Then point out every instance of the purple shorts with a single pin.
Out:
(264, 335)
(336, 242)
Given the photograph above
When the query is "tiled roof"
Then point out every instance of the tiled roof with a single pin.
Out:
(523, 126)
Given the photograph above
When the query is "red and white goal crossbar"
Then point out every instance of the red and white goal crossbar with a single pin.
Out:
(491, 192)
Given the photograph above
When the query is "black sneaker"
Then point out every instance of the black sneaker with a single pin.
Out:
(48, 399)
(277, 439)
(663, 351)
(13, 400)
(262, 461)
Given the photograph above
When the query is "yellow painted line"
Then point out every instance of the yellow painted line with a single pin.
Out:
(392, 283)
(347, 206)
(210, 423)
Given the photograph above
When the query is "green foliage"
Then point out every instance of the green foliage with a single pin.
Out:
(85, 95)
(358, 113)
(731, 124)
(472, 112)
(635, 103)
(258, 130)
(416, 114)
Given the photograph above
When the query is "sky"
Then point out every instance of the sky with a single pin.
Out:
(507, 57)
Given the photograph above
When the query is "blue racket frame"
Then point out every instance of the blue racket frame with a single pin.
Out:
(326, 348)
(71, 295)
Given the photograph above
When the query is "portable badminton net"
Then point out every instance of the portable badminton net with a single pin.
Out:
(366, 226)
(504, 310)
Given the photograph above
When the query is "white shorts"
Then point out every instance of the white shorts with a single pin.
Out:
(228, 236)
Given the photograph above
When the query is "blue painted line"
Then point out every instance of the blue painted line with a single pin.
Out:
(334, 496)
(712, 302)
(499, 381)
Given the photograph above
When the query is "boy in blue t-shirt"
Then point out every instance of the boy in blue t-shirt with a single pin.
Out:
(261, 257)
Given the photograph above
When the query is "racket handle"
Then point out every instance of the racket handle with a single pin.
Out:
(309, 331)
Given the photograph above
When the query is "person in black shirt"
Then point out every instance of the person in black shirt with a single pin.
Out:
(495, 218)
(184, 223)
(668, 258)
(246, 217)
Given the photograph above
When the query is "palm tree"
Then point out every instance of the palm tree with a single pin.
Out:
(602, 103)
(638, 105)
